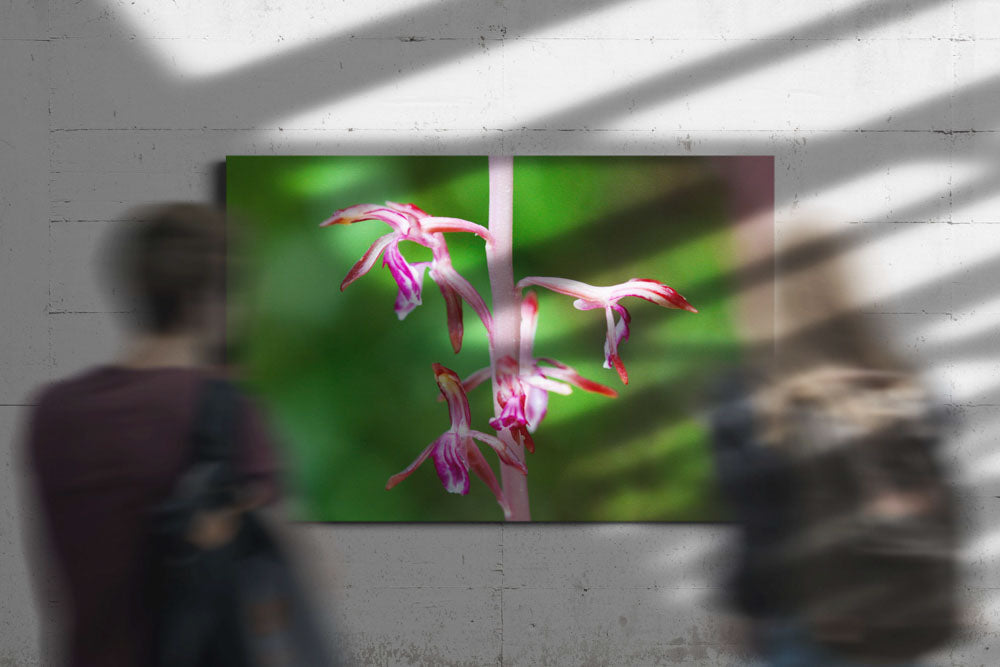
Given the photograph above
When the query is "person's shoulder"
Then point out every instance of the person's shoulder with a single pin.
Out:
(56, 392)
(86, 385)
(51, 404)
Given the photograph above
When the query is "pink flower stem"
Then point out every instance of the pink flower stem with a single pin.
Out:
(505, 335)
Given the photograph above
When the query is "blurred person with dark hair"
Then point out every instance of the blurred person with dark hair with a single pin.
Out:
(107, 445)
(826, 448)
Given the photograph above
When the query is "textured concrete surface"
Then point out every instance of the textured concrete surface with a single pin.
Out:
(882, 117)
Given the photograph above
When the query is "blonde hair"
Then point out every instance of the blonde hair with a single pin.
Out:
(843, 403)
(829, 366)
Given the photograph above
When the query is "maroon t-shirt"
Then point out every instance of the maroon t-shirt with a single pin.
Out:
(105, 447)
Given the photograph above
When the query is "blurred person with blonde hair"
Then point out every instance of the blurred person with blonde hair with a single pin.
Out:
(827, 450)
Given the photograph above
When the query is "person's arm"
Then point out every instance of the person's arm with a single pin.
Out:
(257, 473)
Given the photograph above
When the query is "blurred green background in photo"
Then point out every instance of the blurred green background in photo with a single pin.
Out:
(349, 388)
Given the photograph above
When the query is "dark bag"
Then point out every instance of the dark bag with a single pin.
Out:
(872, 554)
(238, 605)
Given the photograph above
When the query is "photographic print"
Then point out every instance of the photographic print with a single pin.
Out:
(458, 338)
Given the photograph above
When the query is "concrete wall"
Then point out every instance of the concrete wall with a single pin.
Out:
(883, 118)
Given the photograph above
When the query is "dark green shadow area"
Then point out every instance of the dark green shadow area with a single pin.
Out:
(349, 387)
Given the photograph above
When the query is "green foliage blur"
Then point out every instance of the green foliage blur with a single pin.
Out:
(350, 390)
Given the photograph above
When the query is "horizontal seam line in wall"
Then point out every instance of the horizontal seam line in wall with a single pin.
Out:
(921, 222)
(973, 405)
(410, 130)
(971, 223)
(568, 587)
(904, 312)
(90, 312)
(501, 38)
(161, 172)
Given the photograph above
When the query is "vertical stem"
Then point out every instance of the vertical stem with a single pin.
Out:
(505, 338)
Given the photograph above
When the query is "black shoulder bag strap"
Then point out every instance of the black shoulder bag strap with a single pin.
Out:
(213, 439)
(218, 592)
(191, 582)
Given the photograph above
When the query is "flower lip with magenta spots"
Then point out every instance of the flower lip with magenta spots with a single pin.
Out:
(538, 380)
(455, 451)
(411, 223)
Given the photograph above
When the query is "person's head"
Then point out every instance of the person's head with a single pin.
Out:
(171, 265)
(828, 359)
(819, 308)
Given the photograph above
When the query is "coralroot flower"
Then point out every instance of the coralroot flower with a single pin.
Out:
(537, 381)
(455, 452)
(542, 379)
(589, 297)
(522, 384)
(410, 223)
(511, 397)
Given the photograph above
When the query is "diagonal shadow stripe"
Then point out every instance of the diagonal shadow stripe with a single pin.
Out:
(839, 151)
(760, 53)
(267, 90)
(817, 251)
(978, 284)
(264, 92)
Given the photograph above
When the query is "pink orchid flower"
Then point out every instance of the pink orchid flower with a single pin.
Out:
(543, 379)
(537, 381)
(589, 297)
(410, 223)
(512, 397)
(455, 451)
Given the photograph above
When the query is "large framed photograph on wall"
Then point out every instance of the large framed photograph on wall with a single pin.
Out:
(370, 327)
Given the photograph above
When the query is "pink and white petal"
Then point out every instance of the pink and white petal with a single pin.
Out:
(447, 275)
(622, 326)
(410, 280)
(536, 405)
(349, 215)
(450, 463)
(477, 378)
(346, 216)
(453, 306)
(618, 333)
(569, 374)
(503, 451)
(517, 436)
(583, 304)
(482, 469)
(451, 388)
(565, 286)
(408, 209)
(610, 341)
(523, 437)
(529, 325)
(406, 472)
(611, 359)
(435, 225)
(616, 361)
(408, 298)
(654, 291)
(511, 414)
(507, 369)
(367, 260)
(538, 380)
